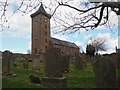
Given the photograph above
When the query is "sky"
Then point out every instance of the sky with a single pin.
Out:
(17, 38)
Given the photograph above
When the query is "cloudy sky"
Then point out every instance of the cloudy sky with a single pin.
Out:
(17, 38)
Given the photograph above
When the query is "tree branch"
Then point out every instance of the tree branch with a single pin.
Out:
(100, 18)
(84, 11)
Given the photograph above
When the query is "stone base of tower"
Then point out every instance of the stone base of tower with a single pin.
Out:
(54, 82)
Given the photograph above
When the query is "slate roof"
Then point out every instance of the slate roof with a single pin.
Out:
(41, 10)
(64, 43)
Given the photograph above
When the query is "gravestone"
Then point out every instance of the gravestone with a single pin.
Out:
(53, 69)
(36, 63)
(79, 63)
(6, 56)
(118, 60)
(34, 79)
(114, 57)
(25, 63)
(65, 63)
(37, 60)
(14, 64)
(53, 63)
(105, 72)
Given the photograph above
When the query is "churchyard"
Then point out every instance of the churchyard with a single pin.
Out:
(79, 72)
(75, 78)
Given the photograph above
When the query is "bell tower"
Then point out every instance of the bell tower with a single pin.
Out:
(40, 31)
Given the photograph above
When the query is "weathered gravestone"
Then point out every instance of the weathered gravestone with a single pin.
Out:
(53, 69)
(118, 60)
(37, 63)
(105, 72)
(36, 60)
(118, 66)
(79, 63)
(34, 79)
(25, 63)
(14, 64)
(65, 63)
(114, 57)
(6, 56)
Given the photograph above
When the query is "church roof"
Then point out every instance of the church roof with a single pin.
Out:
(61, 42)
(41, 10)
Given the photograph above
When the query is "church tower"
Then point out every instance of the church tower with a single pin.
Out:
(40, 31)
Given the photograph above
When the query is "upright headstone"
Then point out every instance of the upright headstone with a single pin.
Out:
(37, 60)
(118, 66)
(65, 63)
(114, 57)
(6, 56)
(118, 60)
(14, 64)
(53, 69)
(105, 72)
(53, 63)
(79, 63)
(25, 63)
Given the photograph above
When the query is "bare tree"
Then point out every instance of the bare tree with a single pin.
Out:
(99, 44)
(67, 15)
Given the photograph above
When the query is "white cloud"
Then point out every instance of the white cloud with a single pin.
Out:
(105, 36)
(113, 18)
(1, 40)
(29, 45)
(110, 41)
(90, 37)
(61, 37)
(113, 43)
(118, 41)
(78, 43)
(20, 26)
(87, 37)
(15, 51)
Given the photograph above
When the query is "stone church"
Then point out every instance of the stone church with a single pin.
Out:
(41, 38)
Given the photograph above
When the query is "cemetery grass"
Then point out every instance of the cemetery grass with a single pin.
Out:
(76, 78)
(22, 79)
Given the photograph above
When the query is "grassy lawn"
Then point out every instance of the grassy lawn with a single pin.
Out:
(76, 78)
(21, 80)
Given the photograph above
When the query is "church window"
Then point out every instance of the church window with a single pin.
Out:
(35, 50)
(45, 47)
(45, 19)
(35, 38)
(45, 26)
(45, 33)
(35, 19)
(45, 40)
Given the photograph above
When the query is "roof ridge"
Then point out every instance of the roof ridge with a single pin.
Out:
(62, 42)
